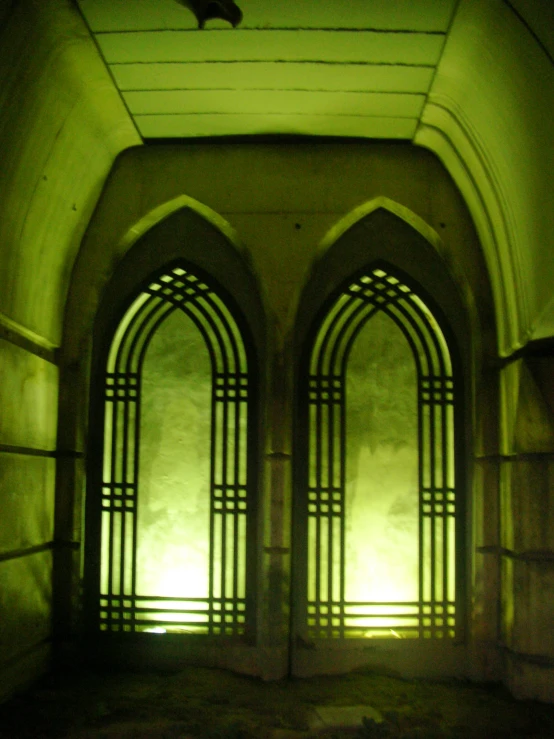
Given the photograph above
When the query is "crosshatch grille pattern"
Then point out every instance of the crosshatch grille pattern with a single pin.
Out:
(329, 614)
(120, 607)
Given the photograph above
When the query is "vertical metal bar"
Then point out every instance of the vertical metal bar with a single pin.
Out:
(330, 457)
(211, 603)
(113, 471)
(234, 588)
(318, 498)
(342, 438)
(224, 450)
(427, 347)
(329, 445)
(433, 497)
(236, 504)
(136, 501)
(123, 496)
(445, 452)
(224, 513)
(421, 475)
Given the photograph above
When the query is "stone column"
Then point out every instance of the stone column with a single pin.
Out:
(527, 535)
(483, 541)
(274, 587)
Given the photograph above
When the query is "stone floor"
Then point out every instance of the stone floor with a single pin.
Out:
(199, 703)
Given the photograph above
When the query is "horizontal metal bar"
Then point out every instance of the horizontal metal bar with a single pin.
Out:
(27, 551)
(33, 452)
(528, 555)
(171, 598)
(141, 609)
(24, 338)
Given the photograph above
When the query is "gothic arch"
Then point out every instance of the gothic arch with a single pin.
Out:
(175, 407)
(203, 277)
(381, 266)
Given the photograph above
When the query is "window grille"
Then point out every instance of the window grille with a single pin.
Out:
(175, 483)
(380, 510)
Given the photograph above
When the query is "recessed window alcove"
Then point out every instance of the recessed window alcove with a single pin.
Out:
(380, 531)
(172, 492)
(379, 396)
(178, 561)
(175, 483)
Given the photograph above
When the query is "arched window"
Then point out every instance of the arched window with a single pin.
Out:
(171, 516)
(378, 402)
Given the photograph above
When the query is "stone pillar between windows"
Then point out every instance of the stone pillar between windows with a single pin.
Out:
(527, 526)
(483, 541)
(275, 572)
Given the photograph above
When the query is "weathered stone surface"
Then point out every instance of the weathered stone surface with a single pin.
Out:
(529, 681)
(527, 418)
(534, 430)
(62, 125)
(21, 672)
(25, 596)
(528, 503)
(27, 494)
(334, 717)
(58, 144)
(132, 730)
(28, 398)
(533, 632)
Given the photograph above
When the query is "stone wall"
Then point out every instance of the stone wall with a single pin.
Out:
(526, 552)
(55, 156)
(282, 206)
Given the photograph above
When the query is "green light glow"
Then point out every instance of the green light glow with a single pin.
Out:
(174, 473)
(381, 497)
(174, 498)
(381, 471)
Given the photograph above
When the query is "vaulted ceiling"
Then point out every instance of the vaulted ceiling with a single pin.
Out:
(470, 80)
(354, 68)
(347, 68)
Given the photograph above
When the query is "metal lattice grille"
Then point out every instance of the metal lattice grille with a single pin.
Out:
(139, 590)
(424, 509)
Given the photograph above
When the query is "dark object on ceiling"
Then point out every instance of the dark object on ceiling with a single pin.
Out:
(205, 10)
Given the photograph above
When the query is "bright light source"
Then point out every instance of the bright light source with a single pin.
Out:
(381, 498)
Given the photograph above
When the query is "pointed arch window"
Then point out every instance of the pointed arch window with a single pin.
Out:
(175, 490)
(378, 404)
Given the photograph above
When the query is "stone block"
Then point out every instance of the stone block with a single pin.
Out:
(338, 717)
(534, 608)
(485, 597)
(25, 599)
(486, 427)
(528, 681)
(27, 500)
(70, 497)
(510, 378)
(28, 398)
(485, 502)
(506, 493)
(534, 431)
(20, 673)
(527, 418)
(528, 504)
(542, 370)
(507, 601)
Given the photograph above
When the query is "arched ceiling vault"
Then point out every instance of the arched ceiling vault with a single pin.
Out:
(335, 68)
(472, 80)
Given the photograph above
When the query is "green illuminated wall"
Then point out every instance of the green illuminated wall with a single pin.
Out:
(173, 520)
(278, 231)
(487, 119)
(382, 467)
(62, 126)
